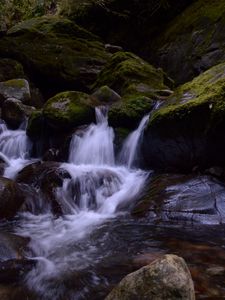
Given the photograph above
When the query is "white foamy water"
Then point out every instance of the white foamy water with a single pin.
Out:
(14, 150)
(97, 191)
(130, 149)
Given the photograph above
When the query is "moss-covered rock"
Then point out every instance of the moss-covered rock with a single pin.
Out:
(68, 109)
(35, 124)
(56, 52)
(137, 82)
(189, 129)
(105, 95)
(165, 278)
(15, 88)
(10, 69)
(130, 23)
(192, 42)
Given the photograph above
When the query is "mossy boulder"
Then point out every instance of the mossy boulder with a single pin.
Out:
(35, 126)
(137, 82)
(188, 131)
(68, 109)
(56, 52)
(105, 95)
(193, 42)
(15, 88)
(165, 278)
(10, 69)
(130, 23)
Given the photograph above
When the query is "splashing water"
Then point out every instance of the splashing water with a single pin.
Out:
(14, 150)
(97, 191)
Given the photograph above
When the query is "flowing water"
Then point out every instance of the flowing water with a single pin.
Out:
(98, 192)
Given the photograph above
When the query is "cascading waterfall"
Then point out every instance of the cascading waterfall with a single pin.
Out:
(130, 150)
(14, 149)
(98, 190)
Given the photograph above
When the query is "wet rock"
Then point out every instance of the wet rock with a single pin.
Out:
(45, 178)
(136, 81)
(68, 109)
(14, 112)
(216, 271)
(14, 270)
(105, 95)
(113, 48)
(15, 292)
(176, 138)
(12, 246)
(10, 69)
(15, 88)
(57, 53)
(186, 198)
(165, 278)
(11, 198)
(195, 40)
(51, 155)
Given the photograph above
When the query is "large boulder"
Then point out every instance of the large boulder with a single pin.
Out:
(188, 131)
(192, 42)
(167, 278)
(137, 82)
(56, 52)
(130, 23)
(15, 88)
(14, 112)
(11, 198)
(69, 109)
(183, 198)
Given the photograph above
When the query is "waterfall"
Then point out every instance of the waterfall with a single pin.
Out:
(15, 147)
(98, 190)
(96, 145)
(130, 149)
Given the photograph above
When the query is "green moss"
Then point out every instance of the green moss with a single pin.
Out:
(198, 14)
(130, 110)
(15, 83)
(126, 70)
(10, 69)
(62, 59)
(68, 109)
(201, 100)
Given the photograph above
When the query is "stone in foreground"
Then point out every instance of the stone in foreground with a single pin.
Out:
(166, 278)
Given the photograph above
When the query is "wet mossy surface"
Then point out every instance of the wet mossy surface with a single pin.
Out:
(188, 130)
(68, 109)
(138, 84)
(56, 53)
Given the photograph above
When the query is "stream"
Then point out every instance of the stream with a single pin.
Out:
(85, 251)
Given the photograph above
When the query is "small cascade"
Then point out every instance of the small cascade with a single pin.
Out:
(96, 145)
(130, 150)
(98, 191)
(15, 147)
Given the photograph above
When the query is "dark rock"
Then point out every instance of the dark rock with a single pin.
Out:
(14, 270)
(193, 40)
(165, 278)
(58, 54)
(15, 88)
(186, 198)
(45, 177)
(14, 112)
(188, 130)
(137, 82)
(11, 198)
(112, 48)
(105, 95)
(12, 246)
(10, 69)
